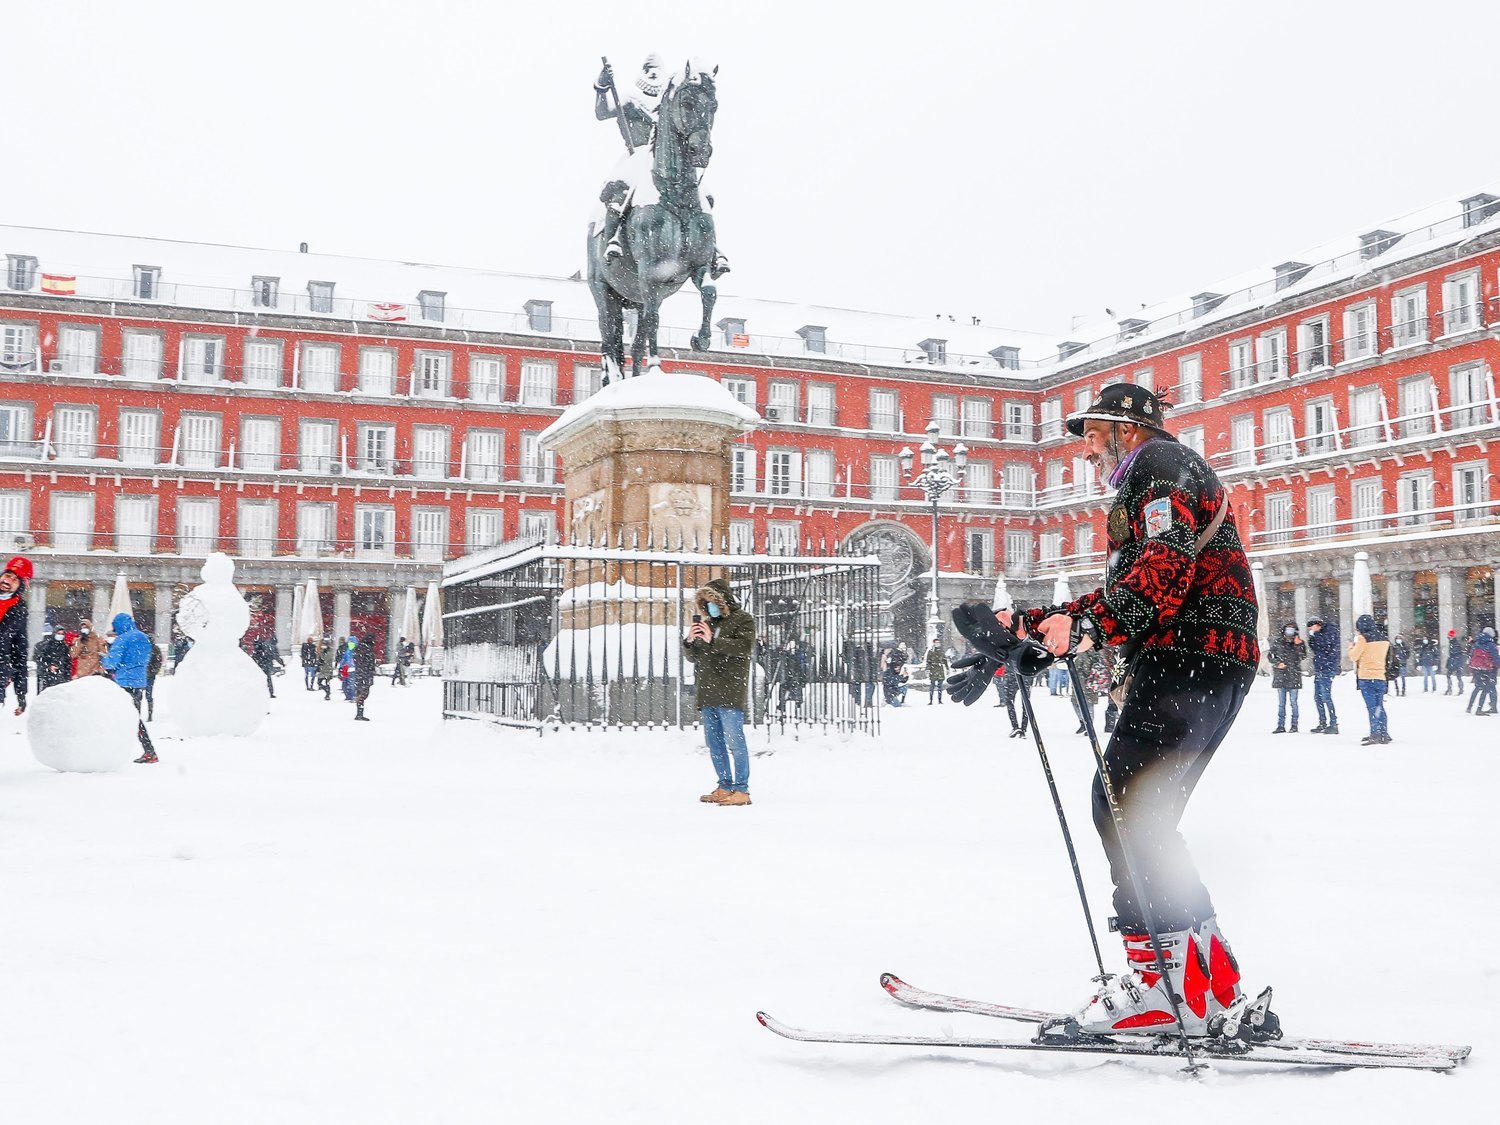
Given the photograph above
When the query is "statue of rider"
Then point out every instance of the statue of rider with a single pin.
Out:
(636, 108)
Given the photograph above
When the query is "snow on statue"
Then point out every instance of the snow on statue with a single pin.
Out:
(217, 689)
(83, 726)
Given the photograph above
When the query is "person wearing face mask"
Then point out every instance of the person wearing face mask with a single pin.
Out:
(13, 622)
(88, 650)
(1323, 641)
(53, 663)
(1286, 656)
(718, 646)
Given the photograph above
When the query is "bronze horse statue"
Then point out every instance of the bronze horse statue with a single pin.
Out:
(666, 241)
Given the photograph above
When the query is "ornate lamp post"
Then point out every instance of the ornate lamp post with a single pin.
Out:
(940, 475)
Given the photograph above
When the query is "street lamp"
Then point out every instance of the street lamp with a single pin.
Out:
(940, 475)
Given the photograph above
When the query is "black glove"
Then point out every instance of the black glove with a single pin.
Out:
(606, 78)
(969, 685)
(978, 623)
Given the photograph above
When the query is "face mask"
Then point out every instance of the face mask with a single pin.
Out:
(713, 609)
(1289, 633)
(57, 636)
(85, 632)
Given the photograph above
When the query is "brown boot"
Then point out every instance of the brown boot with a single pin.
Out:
(735, 797)
(715, 798)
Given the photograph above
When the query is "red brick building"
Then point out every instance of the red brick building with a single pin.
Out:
(359, 422)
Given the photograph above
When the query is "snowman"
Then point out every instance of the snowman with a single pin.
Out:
(217, 689)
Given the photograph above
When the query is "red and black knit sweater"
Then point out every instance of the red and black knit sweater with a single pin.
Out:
(1158, 592)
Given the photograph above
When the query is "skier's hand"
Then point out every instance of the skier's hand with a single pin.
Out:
(1056, 633)
(970, 684)
(606, 78)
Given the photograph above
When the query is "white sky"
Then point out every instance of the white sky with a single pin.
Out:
(1019, 161)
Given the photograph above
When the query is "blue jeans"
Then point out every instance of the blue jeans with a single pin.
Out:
(1281, 697)
(724, 729)
(1374, 693)
(1323, 697)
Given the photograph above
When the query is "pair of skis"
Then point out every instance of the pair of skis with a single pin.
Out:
(1342, 1053)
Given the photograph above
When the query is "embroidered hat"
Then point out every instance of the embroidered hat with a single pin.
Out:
(1122, 402)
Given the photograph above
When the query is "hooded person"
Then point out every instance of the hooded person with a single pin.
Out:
(1368, 655)
(345, 665)
(88, 651)
(1323, 640)
(363, 675)
(1286, 655)
(1458, 656)
(128, 661)
(719, 646)
(1484, 657)
(13, 624)
(53, 664)
(328, 667)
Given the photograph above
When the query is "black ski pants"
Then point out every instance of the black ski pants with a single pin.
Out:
(1179, 709)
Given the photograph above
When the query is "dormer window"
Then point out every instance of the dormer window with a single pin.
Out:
(1206, 302)
(147, 282)
(1009, 358)
(433, 304)
(1376, 243)
(320, 296)
(1069, 348)
(539, 315)
(735, 335)
(20, 271)
(814, 337)
(1289, 273)
(935, 350)
(1479, 208)
(263, 291)
(1133, 326)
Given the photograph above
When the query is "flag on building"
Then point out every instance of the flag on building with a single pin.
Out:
(59, 285)
(387, 311)
(740, 340)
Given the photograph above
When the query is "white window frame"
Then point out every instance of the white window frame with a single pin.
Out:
(820, 473)
(1471, 491)
(979, 483)
(1278, 514)
(429, 534)
(1322, 511)
(1018, 545)
(1409, 316)
(142, 354)
(538, 382)
(538, 465)
(201, 360)
(376, 449)
(71, 521)
(1242, 440)
(318, 367)
(885, 477)
(783, 537)
(1461, 309)
(200, 440)
(1145, 378)
(1018, 422)
(1192, 437)
(75, 432)
(1467, 396)
(377, 371)
(315, 528)
(742, 537)
(742, 478)
(430, 451)
(262, 364)
(1241, 364)
(374, 531)
(487, 378)
(432, 374)
(15, 514)
(822, 404)
(782, 399)
(1414, 497)
(260, 444)
(484, 455)
(135, 524)
(78, 349)
(1314, 348)
(484, 528)
(1320, 430)
(1270, 355)
(885, 411)
(1414, 405)
(945, 414)
(317, 445)
(256, 528)
(1019, 481)
(1281, 436)
(16, 430)
(1190, 378)
(978, 418)
(1359, 331)
(197, 526)
(742, 389)
(783, 472)
(1364, 416)
(1367, 505)
(1083, 541)
(541, 525)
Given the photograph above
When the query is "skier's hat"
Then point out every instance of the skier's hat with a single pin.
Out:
(1122, 402)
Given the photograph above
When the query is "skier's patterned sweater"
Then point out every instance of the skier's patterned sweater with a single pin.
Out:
(1158, 593)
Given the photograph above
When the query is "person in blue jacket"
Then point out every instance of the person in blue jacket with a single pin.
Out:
(127, 660)
(1323, 640)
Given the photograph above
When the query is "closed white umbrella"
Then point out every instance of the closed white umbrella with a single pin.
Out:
(119, 601)
(411, 625)
(1262, 616)
(310, 624)
(432, 624)
(1060, 591)
(295, 625)
(1001, 599)
(1364, 590)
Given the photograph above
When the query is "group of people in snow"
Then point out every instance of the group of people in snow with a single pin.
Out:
(351, 661)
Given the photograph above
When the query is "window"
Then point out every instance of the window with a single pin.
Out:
(883, 413)
(743, 390)
(198, 441)
(538, 382)
(1466, 386)
(539, 316)
(1322, 427)
(484, 529)
(1359, 331)
(1409, 317)
(538, 526)
(978, 418)
(15, 511)
(1279, 517)
(1270, 355)
(147, 282)
(820, 473)
(1414, 498)
(377, 371)
(482, 453)
(1461, 303)
(374, 531)
(783, 472)
(781, 401)
(320, 368)
(884, 479)
(587, 381)
(733, 328)
(17, 346)
(429, 457)
(1083, 398)
(783, 537)
(741, 537)
(15, 431)
(78, 350)
(20, 271)
(487, 378)
(315, 445)
(73, 432)
(202, 359)
(537, 464)
(263, 291)
(820, 405)
(314, 529)
(429, 534)
(135, 525)
(979, 482)
(1320, 511)
(72, 521)
(1312, 344)
(1241, 364)
(1017, 422)
(432, 304)
(1051, 548)
(1018, 484)
(197, 526)
(1083, 541)
(945, 414)
(431, 377)
(257, 528)
(143, 353)
(140, 435)
(377, 447)
(320, 296)
(1281, 442)
(1052, 423)
(1085, 477)
(814, 337)
(1055, 485)
(1471, 493)
(979, 551)
(1008, 357)
(1193, 439)
(1242, 440)
(742, 470)
(1364, 416)
(1369, 505)
(1017, 552)
(1190, 378)
(1145, 377)
(1415, 404)
(260, 444)
(263, 363)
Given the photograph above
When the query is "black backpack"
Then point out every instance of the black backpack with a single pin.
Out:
(1392, 665)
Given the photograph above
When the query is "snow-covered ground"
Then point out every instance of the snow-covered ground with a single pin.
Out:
(412, 921)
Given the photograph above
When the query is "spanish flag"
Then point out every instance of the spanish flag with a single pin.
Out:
(59, 285)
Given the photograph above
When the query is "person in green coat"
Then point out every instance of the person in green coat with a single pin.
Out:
(719, 646)
(328, 667)
(937, 671)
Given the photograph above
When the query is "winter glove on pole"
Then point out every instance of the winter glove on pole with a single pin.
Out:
(996, 646)
(971, 678)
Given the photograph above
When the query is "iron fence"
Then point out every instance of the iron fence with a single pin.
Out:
(564, 636)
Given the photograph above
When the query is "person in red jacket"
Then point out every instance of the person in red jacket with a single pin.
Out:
(13, 580)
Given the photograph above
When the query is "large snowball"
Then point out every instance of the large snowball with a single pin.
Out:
(84, 726)
(216, 689)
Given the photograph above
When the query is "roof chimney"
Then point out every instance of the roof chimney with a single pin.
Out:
(302, 248)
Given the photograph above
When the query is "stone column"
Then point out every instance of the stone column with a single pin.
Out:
(1346, 619)
(36, 614)
(1299, 605)
(1446, 579)
(164, 609)
(99, 615)
(1397, 602)
(284, 619)
(341, 602)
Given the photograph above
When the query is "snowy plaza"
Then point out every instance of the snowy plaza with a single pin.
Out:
(417, 921)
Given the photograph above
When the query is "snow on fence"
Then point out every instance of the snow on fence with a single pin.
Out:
(551, 636)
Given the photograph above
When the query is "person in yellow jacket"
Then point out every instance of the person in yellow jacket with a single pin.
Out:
(1368, 653)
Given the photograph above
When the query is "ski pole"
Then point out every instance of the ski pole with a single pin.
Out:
(1121, 833)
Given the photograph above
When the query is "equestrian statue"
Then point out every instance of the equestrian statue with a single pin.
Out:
(655, 232)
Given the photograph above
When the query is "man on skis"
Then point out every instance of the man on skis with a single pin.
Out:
(1178, 604)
